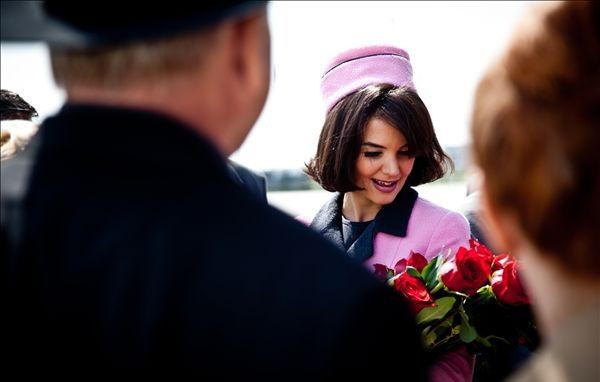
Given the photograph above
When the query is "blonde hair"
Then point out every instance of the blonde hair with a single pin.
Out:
(536, 135)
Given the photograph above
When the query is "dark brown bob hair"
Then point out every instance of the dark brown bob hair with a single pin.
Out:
(334, 165)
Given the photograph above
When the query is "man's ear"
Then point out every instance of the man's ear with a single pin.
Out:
(502, 226)
(250, 57)
(242, 76)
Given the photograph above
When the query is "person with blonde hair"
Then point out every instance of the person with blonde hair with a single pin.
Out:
(535, 129)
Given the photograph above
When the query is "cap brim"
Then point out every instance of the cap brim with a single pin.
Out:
(24, 21)
(27, 21)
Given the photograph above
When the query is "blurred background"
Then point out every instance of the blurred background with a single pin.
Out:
(450, 45)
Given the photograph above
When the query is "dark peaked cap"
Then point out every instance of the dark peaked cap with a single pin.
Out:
(90, 24)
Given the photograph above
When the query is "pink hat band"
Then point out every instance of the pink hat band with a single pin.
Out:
(357, 68)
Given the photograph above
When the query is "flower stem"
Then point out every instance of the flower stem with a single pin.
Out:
(449, 317)
(437, 288)
(443, 341)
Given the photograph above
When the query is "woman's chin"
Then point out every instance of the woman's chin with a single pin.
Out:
(382, 198)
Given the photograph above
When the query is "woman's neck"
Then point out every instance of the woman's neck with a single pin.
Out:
(357, 208)
(556, 294)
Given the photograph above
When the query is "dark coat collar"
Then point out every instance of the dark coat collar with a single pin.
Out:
(98, 142)
(391, 219)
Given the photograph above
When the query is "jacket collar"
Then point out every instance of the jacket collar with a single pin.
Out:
(391, 219)
(99, 142)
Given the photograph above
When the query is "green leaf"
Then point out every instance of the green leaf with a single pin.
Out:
(485, 293)
(460, 295)
(430, 272)
(455, 330)
(391, 280)
(436, 285)
(390, 273)
(443, 306)
(444, 328)
(429, 267)
(497, 338)
(467, 332)
(413, 272)
(484, 341)
(429, 339)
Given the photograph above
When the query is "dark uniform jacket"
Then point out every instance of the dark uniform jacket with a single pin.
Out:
(253, 182)
(135, 249)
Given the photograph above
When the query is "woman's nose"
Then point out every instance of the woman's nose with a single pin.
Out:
(391, 167)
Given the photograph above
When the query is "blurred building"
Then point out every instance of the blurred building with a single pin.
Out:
(289, 179)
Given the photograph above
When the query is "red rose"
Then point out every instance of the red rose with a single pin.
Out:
(500, 261)
(382, 272)
(475, 244)
(468, 271)
(482, 250)
(507, 286)
(414, 290)
(415, 260)
(400, 266)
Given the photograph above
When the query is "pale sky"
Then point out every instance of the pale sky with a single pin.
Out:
(450, 45)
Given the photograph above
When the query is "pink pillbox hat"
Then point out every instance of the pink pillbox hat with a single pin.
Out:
(357, 68)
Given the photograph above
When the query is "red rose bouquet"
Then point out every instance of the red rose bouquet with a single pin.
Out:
(473, 298)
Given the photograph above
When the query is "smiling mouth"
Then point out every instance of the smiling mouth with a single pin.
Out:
(384, 184)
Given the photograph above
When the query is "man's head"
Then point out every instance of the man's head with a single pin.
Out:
(206, 65)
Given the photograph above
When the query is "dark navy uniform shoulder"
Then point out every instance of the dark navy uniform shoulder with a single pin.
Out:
(144, 253)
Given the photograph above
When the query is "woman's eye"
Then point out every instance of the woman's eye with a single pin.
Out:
(372, 154)
(405, 153)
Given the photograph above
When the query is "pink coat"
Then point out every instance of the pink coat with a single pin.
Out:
(431, 230)
(410, 224)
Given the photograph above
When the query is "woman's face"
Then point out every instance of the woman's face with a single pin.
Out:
(383, 163)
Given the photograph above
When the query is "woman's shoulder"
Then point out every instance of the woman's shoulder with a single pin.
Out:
(447, 229)
(429, 210)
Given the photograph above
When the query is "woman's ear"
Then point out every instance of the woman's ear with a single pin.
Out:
(502, 227)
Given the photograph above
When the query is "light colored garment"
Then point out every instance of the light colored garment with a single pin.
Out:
(16, 134)
(358, 68)
(573, 355)
(431, 230)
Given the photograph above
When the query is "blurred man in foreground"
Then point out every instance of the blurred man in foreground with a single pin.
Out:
(143, 253)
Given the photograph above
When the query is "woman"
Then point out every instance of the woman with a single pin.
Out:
(376, 144)
(536, 128)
